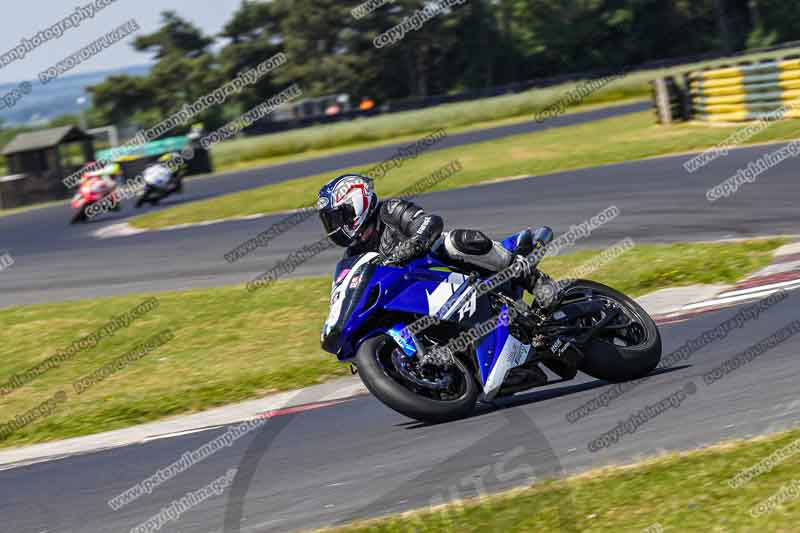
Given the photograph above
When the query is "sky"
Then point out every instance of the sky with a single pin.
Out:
(27, 18)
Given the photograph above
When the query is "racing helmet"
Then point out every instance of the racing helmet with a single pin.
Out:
(345, 205)
(173, 161)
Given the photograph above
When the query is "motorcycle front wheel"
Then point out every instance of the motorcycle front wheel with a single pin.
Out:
(79, 216)
(438, 395)
(143, 198)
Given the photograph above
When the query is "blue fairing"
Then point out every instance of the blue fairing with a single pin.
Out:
(510, 243)
(490, 347)
(422, 287)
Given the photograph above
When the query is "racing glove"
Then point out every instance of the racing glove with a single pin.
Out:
(405, 251)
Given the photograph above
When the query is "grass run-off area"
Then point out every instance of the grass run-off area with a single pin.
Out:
(260, 150)
(686, 492)
(615, 140)
(232, 345)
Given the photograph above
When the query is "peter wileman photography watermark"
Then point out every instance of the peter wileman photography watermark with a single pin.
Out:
(10, 99)
(411, 151)
(515, 272)
(236, 126)
(788, 491)
(300, 256)
(136, 184)
(89, 51)
(122, 362)
(43, 410)
(765, 466)
(414, 22)
(642, 417)
(756, 350)
(739, 137)
(682, 353)
(753, 170)
(576, 95)
(220, 95)
(109, 329)
(177, 508)
(55, 31)
(362, 10)
(186, 461)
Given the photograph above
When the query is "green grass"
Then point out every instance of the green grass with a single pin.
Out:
(231, 345)
(259, 150)
(360, 134)
(680, 492)
(608, 141)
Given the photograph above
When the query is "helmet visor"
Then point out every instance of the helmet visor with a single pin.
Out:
(337, 222)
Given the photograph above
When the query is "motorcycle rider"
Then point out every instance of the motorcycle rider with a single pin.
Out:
(177, 167)
(111, 174)
(400, 230)
(109, 178)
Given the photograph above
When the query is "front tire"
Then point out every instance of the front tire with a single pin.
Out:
(144, 198)
(385, 385)
(611, 360)
(79, 216)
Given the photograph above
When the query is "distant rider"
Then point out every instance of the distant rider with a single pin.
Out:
(177, 167)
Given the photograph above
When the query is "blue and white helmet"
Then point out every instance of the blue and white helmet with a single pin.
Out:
(345, 204)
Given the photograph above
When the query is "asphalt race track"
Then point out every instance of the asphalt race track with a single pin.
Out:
(658, 200)
(360, 459)
(56, 261)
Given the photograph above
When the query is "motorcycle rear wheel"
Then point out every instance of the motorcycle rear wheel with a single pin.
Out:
(379, 375)
(632, 353)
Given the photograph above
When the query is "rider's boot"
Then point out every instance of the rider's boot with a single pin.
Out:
(530, 277)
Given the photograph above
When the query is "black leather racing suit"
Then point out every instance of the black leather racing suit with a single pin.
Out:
(400, 231)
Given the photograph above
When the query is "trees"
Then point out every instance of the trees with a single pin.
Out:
(119, 98)
(185, 70)
(478, 44)
(177, 36)
(254, 35)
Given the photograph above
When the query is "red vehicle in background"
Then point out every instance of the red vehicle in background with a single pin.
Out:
(95, 186)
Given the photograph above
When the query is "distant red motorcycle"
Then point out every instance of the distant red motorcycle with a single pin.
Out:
(94, 188)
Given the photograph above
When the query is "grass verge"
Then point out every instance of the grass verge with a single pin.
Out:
(679, 492)
(615, 140)
(257, 150)
(231, 345)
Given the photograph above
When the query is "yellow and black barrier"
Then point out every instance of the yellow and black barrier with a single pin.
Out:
(746, 92)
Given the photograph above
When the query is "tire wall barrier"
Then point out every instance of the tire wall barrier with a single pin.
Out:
(669, 100)
(746, 92)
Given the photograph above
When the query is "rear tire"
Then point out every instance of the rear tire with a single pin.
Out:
(610, 362)
(403, 400)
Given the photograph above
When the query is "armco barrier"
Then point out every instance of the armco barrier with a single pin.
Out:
(745, 92)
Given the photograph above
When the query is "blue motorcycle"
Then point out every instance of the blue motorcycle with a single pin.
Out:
(430, 339)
